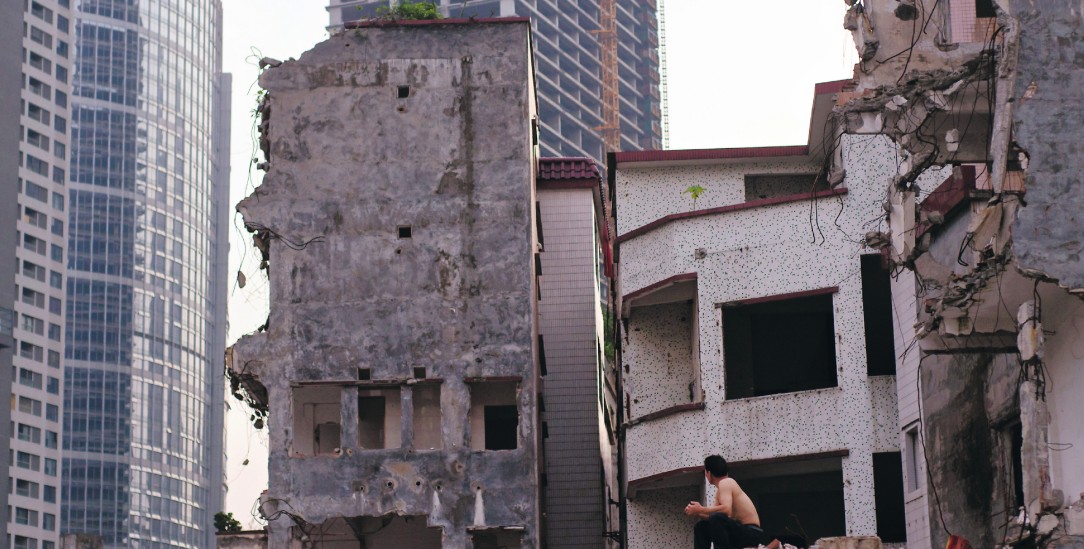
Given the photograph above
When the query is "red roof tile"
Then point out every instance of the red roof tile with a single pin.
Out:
(550, 169)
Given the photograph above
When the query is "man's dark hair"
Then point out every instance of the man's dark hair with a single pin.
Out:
(715, 465)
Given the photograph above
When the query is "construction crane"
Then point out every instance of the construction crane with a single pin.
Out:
(608, 69)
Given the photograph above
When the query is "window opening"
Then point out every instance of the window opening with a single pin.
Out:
(888, 497)
(779, 347)
(402, 92)
(427, 433)
(317, 420)
(877, 314)
(494, 416)
(365, 374)
(404, 231)
(379, 418)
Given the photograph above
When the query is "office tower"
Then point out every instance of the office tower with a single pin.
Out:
(570, 68)
(42, 68)
(143, 398)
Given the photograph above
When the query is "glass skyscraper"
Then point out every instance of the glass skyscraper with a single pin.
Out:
(567, 57)
(146, 272)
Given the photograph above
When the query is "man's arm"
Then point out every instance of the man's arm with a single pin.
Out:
(724, 503)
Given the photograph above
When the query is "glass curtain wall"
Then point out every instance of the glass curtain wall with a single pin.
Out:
(139, 401)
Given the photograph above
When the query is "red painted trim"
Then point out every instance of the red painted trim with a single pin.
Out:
(948, 197)
(637, 483)
(779, 297)
(651, 288)
(556, 184)
(731, 208)
(431, 22)
(628, 157)
(837, 86)
(673, 410)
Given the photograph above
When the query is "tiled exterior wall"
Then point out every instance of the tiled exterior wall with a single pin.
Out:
(753, 253)
(571, 322)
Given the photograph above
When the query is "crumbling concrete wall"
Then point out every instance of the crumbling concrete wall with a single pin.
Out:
(966, 399)
(397, 222)
(1048, 124)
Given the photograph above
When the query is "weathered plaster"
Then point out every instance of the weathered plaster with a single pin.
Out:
(1047, 123)
(350, 163)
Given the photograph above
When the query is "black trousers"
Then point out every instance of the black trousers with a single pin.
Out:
(726, 533)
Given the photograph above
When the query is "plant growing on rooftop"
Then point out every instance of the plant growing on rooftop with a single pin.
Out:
(410, 10)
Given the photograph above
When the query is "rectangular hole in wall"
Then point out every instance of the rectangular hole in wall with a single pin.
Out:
(419, 372)
(365, 374)
(803, 497)
(427, 433)
(379, 417)
(317, 420)
(494, 416)
(497, 539)
(759, 187)
(911, 453)
(402, 92)
(877, 314)
(779, 346)
(888, 496)
(404, 231)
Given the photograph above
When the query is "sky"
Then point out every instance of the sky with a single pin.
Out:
(738, 74)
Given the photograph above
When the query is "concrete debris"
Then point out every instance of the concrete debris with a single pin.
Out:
(1029, 337)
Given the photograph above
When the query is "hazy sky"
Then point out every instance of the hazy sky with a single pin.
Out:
(739, 74)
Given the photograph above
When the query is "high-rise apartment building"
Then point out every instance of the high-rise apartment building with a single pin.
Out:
(143, 398)
(569, 66)
(37, 274)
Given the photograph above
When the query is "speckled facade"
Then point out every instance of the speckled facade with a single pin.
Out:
(742, 254)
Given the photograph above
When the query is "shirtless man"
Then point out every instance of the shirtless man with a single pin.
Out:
(732, 522)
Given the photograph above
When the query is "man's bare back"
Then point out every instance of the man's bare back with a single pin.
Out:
(741, 507)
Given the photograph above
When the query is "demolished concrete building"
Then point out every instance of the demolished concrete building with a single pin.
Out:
(990, 91)
(756, 324)
(432, 372)
(400, 358)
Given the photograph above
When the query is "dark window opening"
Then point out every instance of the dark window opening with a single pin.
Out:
(494, 415)
(538, 225)
(803, 498)
(888, 497)
(537, 265)
(371, 422)
(365, 374)
(541, 355)
(779, 347)
(985, 8)
(759, 187)
(403, 92)
(497, 539)
(419, 372)
(502, 426)
(404, 231)
(877, 313)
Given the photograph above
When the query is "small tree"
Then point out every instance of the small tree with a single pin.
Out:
(411, 10)
(694, 191)
(224, 522)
